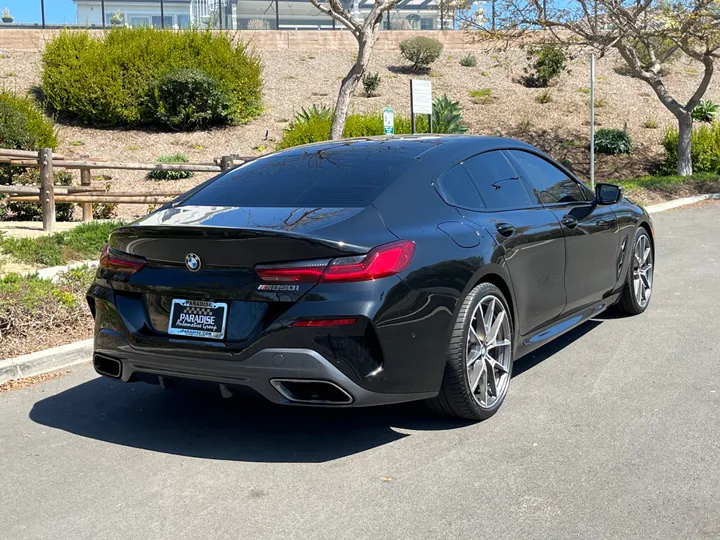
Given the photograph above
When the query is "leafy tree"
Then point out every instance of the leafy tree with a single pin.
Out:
(366, 32)
(647, 34)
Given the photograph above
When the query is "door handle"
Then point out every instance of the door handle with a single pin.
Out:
(505, 229)
(569, 221)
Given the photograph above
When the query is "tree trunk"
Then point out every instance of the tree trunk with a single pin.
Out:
(350, 81)
(684, 167)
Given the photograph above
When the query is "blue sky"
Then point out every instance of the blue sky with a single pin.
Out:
(28, 11)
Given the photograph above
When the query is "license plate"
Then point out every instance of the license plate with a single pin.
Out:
(196, 318)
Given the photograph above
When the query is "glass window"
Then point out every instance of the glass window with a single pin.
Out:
(414, 21)
(156, 21)
(139, 21)
(426, 24)
(553, 185)
(327, 178)
(183, 21)
(459, 190)
(117, 18)
(498, 182)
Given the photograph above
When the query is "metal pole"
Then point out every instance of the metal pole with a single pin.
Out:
(102, 8)
(42, 9)
(277, 16)
(412, 112)
(430, 123)
(162, 14)
(592, 122)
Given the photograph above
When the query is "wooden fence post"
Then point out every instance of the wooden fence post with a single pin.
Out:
(225, 163)
(47, 191)
(87, 208)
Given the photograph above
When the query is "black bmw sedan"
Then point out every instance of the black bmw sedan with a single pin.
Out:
(368, 271)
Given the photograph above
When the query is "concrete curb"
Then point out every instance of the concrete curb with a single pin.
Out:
(669, 205)
(46, 361)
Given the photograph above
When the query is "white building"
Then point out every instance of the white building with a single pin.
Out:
(238, 14)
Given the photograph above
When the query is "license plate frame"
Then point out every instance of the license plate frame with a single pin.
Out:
(198, 329)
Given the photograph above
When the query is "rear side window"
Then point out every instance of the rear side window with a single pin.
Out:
(458, 189)
(553, 185)
(318, 179)
(498, 183)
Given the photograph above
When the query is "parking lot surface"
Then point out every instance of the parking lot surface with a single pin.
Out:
(612, 431)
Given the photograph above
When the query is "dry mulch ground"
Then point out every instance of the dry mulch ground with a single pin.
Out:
(17, 384)
(294, 80)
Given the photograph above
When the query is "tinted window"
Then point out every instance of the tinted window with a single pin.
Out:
(498, 182)
(553, 185)
(458, 189)
(328, 178)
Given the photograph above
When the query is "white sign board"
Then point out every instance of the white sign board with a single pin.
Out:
(388, 121)
(421, 94)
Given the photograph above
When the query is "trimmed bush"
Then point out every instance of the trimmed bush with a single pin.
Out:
(23, 126)
(371, 84)
(468, 60)
(612, 141)
(548, 62)
(171, 175)
(188, 99)
(106, 83)
(421, 51)
(705, 111)
(705, 150)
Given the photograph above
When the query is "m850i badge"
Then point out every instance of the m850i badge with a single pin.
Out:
(278, 287)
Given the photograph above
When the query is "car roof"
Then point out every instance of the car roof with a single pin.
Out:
(438, 147)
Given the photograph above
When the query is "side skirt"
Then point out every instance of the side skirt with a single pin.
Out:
(527, 344)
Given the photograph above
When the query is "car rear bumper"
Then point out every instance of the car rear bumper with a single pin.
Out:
(293, 376)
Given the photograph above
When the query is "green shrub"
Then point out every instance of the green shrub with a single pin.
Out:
(482, 96)
(468, 60)
(35, 311)
(612, 141)
(705, 150)
(371, 84)
(23, 126)
(447, 116)
(171, 175)
(421, 51)
(188, 99)
(705, 111)
(83, 242)
(548, 62)
(313, 125)
(105, 83)
(544, 97)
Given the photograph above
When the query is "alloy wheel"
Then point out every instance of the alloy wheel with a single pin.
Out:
(642, 270)
(488, 352)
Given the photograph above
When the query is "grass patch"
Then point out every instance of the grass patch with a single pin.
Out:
(668, 182)
(482, 96)
(83, 242)
(656, 189)
(171, 175)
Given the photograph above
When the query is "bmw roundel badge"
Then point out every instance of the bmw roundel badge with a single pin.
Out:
(192, 261)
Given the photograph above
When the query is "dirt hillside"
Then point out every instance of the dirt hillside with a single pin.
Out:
(293, 80)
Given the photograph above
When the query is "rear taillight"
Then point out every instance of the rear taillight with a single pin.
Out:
(118, 261)
(380, 262)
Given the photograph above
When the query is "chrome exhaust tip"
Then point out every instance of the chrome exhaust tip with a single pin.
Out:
(105, 365)
(312, 392)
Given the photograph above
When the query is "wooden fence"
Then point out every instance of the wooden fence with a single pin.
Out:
(86, 193)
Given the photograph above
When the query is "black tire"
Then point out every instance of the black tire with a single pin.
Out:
(629, 303)
(455, 397)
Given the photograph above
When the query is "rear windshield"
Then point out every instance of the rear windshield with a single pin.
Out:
(347, 179)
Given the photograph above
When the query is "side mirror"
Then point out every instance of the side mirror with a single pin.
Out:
(608, 193)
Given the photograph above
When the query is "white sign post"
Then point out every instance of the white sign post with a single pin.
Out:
(388, 121)
(420, 100)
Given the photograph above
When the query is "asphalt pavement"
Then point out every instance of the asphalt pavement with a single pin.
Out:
(613, 431)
